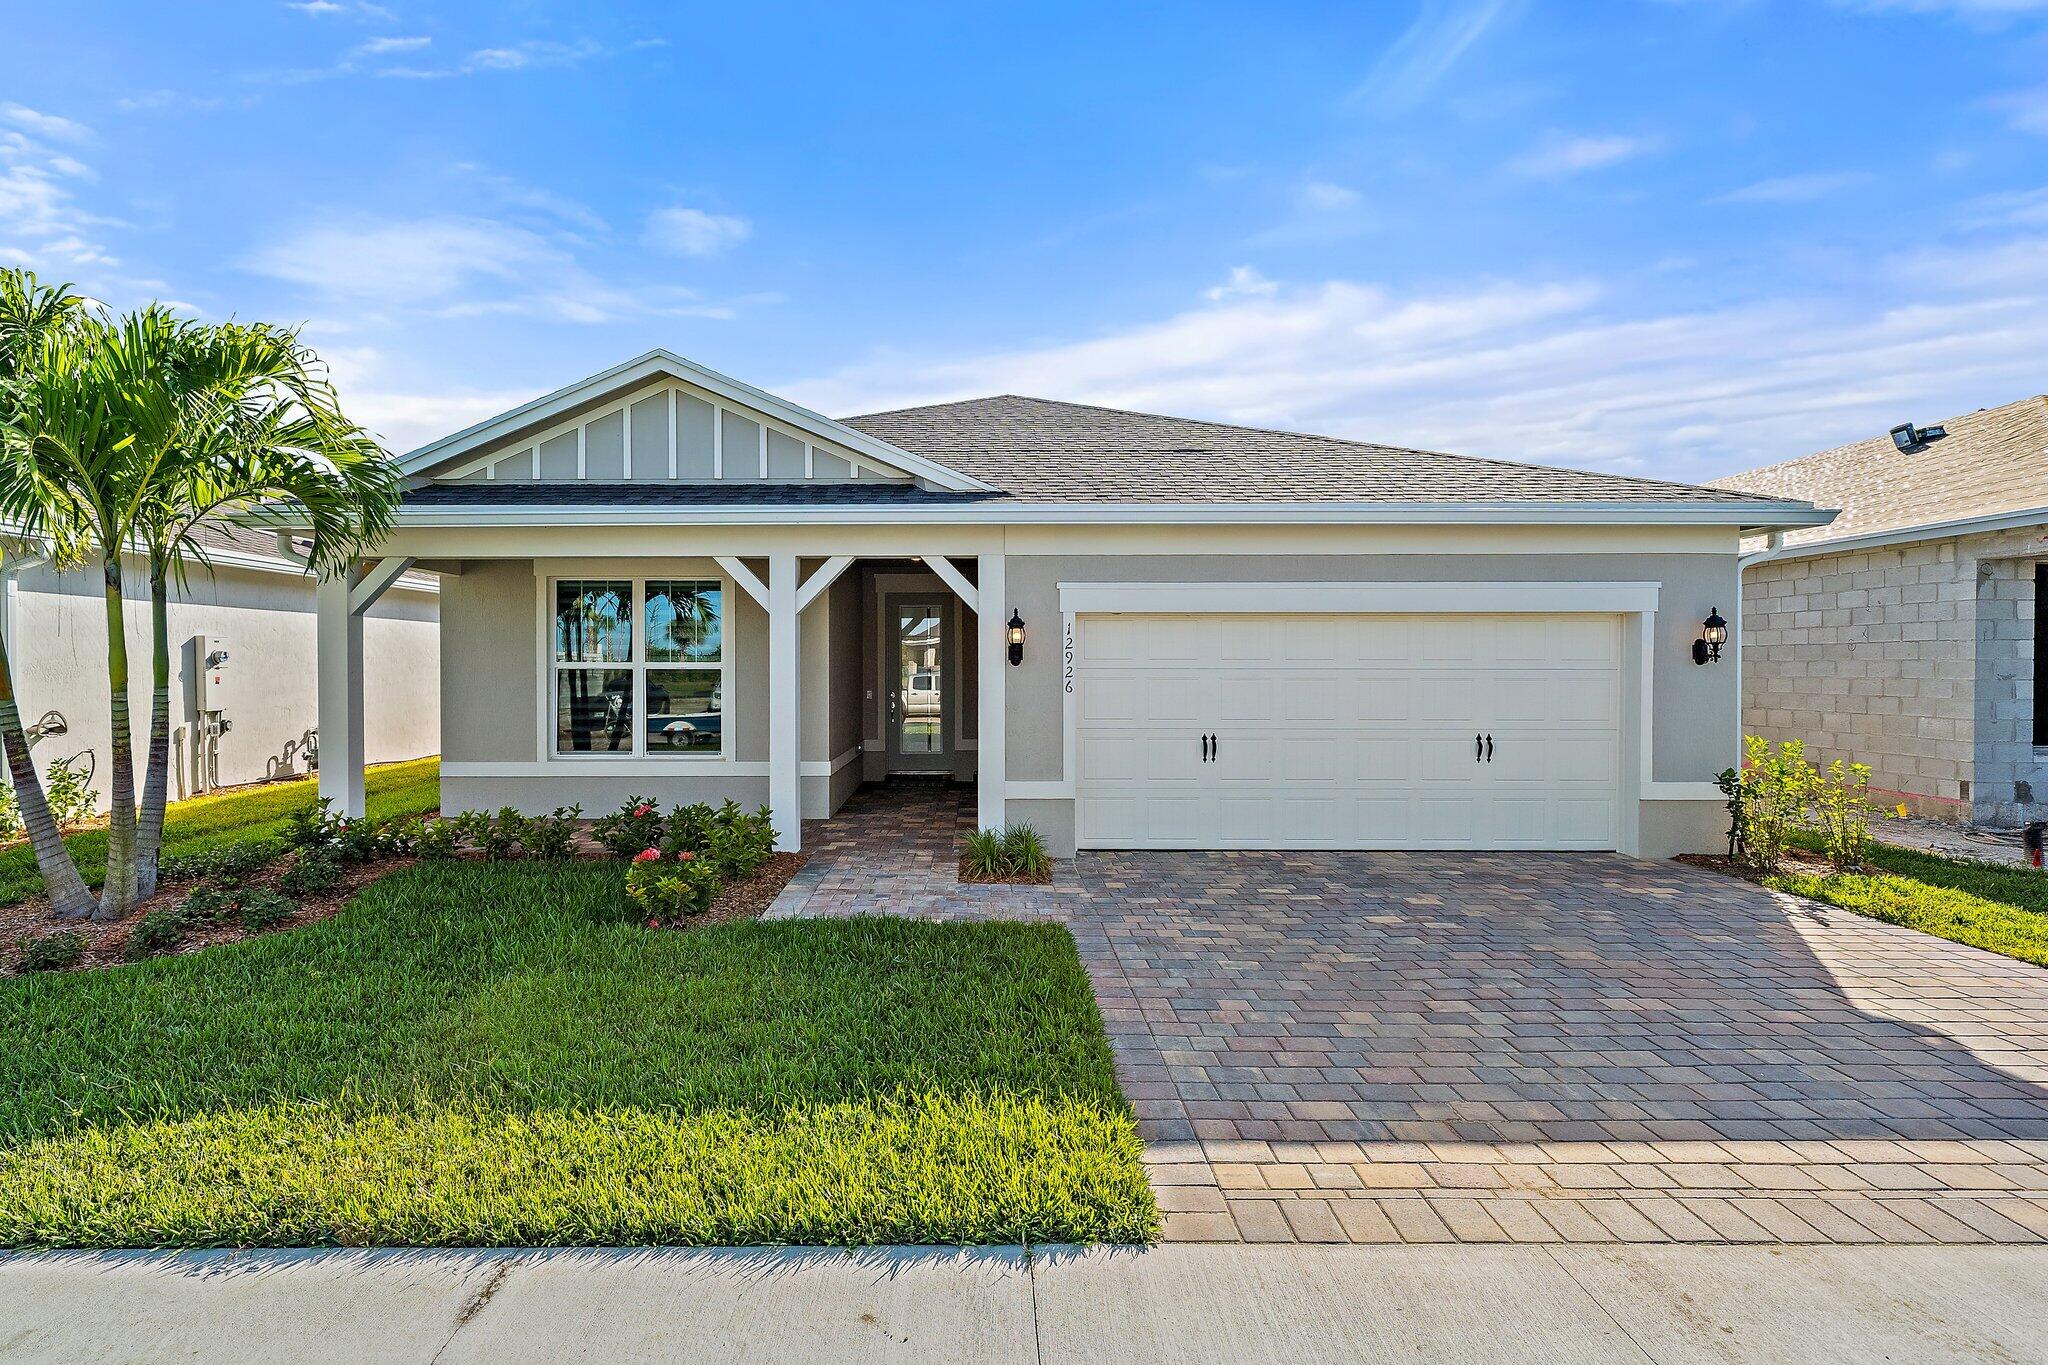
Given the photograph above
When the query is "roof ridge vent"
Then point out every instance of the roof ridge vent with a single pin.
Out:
(1906, 436)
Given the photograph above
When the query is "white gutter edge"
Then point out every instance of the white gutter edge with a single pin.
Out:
(1933, 530)
(1753, 516)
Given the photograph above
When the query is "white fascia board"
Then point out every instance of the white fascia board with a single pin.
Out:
(1320, 599)
(1742, 516)
(1907, 535)
(660, 363)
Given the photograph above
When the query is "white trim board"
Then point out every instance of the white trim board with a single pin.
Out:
(1750, 516)
(671, 769)
(1482, 599)
(1989, 524)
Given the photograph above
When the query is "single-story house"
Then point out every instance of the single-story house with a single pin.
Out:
(1907, 633)
(243, 701)
(1128, 631)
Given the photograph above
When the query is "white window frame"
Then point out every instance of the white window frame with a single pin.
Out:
(639, 665)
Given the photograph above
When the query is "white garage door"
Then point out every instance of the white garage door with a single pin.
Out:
(1348, 731)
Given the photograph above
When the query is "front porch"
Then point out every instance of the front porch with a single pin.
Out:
(769, 678)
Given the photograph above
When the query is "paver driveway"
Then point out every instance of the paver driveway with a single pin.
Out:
(1519, 1047)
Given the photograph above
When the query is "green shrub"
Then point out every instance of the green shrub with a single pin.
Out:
(1779, 795)
(1025, 852)
(668, 889)
(312, 872)
(51, 952)
(994, 855)
(1840, 812)
(434, 839)
(227, 865)
(632, 828)
(739, 841)
(500, 835)
(10, 812)
(207, 905)
(983, 858)
(470, 828)
(552, 838)
(67, 786)
(360, 840)
(313, 826)
(156, 932)
(263, 908)
(688, 827)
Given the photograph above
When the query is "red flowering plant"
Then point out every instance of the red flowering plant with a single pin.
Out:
(636, 825)
(668, 891)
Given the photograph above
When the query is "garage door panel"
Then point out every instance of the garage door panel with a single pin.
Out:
(1351, 732)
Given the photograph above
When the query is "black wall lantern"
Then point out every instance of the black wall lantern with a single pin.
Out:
(1016, 638)
(1713, 634)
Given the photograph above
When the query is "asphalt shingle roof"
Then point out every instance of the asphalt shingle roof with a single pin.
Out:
(1994, 460)
(1039, 450)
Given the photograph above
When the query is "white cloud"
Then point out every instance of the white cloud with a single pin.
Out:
(1557, 155)
(352, 9)
(1797, 189)
(1321, 195)
(461, 266)
(1562, 371)
(1427, 49)
(379, 47)
(153, 101)
(42, 224)
(48, 126)
(1244, 283)
(2026, 110)
(693, 232)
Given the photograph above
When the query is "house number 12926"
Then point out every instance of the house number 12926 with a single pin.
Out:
(1067, 658)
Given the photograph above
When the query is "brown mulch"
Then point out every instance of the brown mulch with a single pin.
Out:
(106, 941)
(1014, 879)
(1798, 861)
(749, 899)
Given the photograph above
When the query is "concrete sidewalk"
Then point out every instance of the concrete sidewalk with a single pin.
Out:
(1171, 1303)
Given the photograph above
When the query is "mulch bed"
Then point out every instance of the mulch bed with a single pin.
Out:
(751, 897)
(1797, 861)
(1014, 879)
(106, 941)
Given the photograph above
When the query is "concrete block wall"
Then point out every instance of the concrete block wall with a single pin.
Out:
(1915, 659)
(2012, 775)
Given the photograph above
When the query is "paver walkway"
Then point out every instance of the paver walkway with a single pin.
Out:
(1518, 1047)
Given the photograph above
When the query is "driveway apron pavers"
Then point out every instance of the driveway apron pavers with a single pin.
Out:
(1515, 1047)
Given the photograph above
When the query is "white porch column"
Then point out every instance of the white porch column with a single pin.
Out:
(339, 638)
(992, 615)
(785, 713)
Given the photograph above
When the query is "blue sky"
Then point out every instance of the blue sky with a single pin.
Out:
(1675, 237)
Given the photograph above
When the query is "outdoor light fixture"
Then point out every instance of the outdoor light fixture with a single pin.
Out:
(1016, 638)
(1713, 634)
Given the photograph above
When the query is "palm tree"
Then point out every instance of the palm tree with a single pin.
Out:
(132, 434)
(260, 437)
(30, 311)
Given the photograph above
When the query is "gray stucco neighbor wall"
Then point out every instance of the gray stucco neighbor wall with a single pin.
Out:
(1916, 659)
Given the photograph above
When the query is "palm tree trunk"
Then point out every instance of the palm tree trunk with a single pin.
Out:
(117, 895)
(69, 898)
(156, 777)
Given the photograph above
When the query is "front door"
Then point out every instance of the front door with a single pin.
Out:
(919, 683)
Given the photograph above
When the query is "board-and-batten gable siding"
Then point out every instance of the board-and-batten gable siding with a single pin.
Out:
(667, 433)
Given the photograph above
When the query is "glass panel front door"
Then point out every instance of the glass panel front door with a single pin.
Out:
(919, 695)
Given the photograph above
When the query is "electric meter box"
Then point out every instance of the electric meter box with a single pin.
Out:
(212, 658)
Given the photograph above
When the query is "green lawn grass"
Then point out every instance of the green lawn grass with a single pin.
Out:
(1944, 911)
(494, 1055)
(235, 817)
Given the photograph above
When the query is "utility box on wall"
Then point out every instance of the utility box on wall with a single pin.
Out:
(211, 659)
